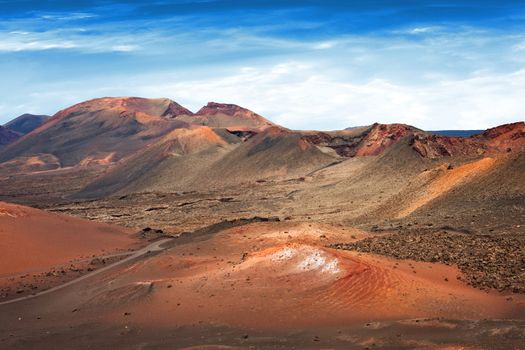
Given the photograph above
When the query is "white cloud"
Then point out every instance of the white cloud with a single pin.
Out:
(17, 41)
(304, 95)
(298, 96)
(324, 45)
(67, 17)
(124, 48)
(420, 30)
(464, 79)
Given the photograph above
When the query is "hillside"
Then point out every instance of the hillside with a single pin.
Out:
(41, 246)
(171, 162)
(138, 145)
(7, 136)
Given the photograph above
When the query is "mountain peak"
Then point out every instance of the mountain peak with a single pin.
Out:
(160, 107)
(102, 129)
(26, 123)
(505, 137)
(382, 136)
(511, 130)
(229, 115)
(230, 109)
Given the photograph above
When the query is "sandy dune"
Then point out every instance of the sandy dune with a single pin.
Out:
(262, 278)
(271, 276)
(441, 180)
(32, 240)
(250, 277)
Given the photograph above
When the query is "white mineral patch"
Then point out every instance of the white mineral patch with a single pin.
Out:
(312, 262)
(283, 254)
(331, 267)
(307, 258)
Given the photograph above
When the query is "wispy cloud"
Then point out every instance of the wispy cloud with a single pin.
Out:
(321, 65)
(299, 96)
(421, 30)
(65, 16)
(306, 95)
(69, 39)
(324, 45)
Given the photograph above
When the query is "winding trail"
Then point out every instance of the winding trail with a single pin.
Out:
(154, 247)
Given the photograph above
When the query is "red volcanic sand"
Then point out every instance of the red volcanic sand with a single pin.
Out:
(271, 277)
(33, 240)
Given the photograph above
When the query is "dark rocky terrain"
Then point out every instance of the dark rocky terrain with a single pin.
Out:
(7, 136)
(488, 261)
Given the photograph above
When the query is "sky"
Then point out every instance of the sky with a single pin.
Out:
(307, 64)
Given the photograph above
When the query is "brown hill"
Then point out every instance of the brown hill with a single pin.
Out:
(170, 163)
(362, 141)
(220, 115)
(26, 123)
(205, 158)
(419, 170)
(477, 193)
(139, 145)
(359, 186)
(101, 130)
(500, 139)
(505, 138)
(273, 154)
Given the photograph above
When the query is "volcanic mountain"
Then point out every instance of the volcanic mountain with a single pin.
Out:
(271, 153)
(261, 236)
(106, 130)
(230, 116)
(211, 158)
(220, 157)
(140, 145)
(26, 123)
(101, 130)
(173, 161)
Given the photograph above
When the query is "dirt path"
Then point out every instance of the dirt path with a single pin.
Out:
(154, 247)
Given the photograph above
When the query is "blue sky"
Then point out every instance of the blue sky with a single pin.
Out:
(304, 64)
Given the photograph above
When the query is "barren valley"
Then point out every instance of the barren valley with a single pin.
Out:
(136, 223)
